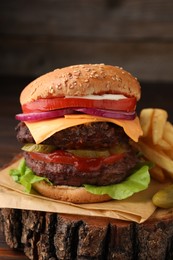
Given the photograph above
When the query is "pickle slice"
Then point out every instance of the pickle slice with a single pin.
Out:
(116, 149)
(38, 148)
(90, 153)
(164, 197)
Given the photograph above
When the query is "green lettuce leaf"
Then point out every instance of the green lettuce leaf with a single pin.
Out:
(25, 176)
(136, 182)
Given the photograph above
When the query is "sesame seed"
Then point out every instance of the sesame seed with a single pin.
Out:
(108, 85)
(90, 76)
(51, 89)
(76, 72)
(58, 86)
(94, 74)
(118, 78)
(86, 80)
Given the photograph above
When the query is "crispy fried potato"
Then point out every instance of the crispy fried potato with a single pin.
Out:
(157, 142)
(145, 120)
(158, 157)
(169, 153)
(157, 173)
(168, 127)
(168, 133)
(158, 123)
(164, 145)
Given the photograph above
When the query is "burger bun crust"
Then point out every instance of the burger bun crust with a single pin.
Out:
(68, 193)
(82, 80)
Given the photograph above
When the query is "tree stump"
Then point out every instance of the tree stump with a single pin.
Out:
(43, 235)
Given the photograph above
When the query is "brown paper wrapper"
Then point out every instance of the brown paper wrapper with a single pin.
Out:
(138, 207)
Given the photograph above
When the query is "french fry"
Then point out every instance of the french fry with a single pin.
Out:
(169, 153)
(157, 157)
(157, 142)
(145, 120)
(157, 173)
(168, 133)
(168, 127)
(164, 145)
(158, 123)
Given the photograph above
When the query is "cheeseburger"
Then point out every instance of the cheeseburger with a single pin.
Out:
(77, 128)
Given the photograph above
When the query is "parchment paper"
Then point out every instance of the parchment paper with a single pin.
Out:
(138, 207)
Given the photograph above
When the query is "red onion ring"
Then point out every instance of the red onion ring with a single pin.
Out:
(38, 116)
(108, 113)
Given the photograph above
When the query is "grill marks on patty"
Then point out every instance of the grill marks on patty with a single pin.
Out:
(94, 135)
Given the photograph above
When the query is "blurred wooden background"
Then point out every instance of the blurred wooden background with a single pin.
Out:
(39, 35)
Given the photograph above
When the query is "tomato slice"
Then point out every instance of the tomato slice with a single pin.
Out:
(47, 104)
(81, 163)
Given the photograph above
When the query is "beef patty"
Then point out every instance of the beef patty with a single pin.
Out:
(65, 174)
(88, 136)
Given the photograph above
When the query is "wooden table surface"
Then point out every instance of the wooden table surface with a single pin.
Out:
(9, 105)
(153, 95)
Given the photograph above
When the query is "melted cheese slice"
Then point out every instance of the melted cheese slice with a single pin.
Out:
(43, 129)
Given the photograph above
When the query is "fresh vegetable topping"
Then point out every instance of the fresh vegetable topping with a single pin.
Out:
(108, 113)
(38, 116)
(45, 148)
(164, 197)
(31, 117)
(25, 176)
(90, 153)
(136, 182)
(47, 104)
(39, 148)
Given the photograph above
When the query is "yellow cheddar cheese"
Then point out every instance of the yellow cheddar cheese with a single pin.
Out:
(41, 130)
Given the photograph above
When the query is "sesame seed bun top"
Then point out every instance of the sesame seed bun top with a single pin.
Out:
(82, 80)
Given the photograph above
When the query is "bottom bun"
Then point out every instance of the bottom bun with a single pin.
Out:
(68, 193)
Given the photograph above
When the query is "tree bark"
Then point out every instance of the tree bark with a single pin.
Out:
(43, 235)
